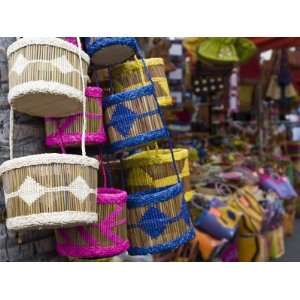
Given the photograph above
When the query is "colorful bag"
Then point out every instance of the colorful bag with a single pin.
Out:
(253, 214)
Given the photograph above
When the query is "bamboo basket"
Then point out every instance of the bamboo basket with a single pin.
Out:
(154, 169)
(49, 190)
(68, 131)
(132, 75)
(106, 238)
(45, 76)
(108, 51)
(158, 220)
(133, 118)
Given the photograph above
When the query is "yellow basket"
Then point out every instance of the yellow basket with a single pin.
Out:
(154, 169)
(132, 75)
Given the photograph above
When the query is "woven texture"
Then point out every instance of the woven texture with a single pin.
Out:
(54, 184)
(133, 119)
(106, 238)
(109, 51)
(68, 131)
(158, 220)
(154, 169)
(131, 75)
(45, 77)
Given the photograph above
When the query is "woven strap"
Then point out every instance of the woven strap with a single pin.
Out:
(170, 142)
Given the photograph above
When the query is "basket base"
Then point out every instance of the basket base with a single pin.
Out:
(51, 220)
(112, 55)
(171, 245)
(91, 252)
(45, 99)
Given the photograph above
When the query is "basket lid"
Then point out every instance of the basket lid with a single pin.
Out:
(153, 157)
(56, 42)
(46, 159)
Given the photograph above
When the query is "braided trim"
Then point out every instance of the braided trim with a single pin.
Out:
(56, 42)
(51, 220)
(46, 159)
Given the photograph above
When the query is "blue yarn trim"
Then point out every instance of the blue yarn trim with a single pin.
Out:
(190, 234)
(140, 139)
(125, 118)
(100, 43)
(154, 196)
(128, 95)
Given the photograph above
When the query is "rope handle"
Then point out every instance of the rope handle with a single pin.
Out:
(102, 170)
(170, 142)
(83, 150)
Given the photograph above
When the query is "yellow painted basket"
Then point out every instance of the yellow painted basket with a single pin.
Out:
(132, 75)
(154, 169)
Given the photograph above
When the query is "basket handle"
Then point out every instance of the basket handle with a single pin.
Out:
(102, 169)
(170, 142)
(83, 150)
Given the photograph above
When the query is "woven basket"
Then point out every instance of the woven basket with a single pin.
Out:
(106, 238)
(154, 169)
(132, 74)
(133, 119)
(108, 51)
(49, 190)
(158, 220)
(45, 77)
(293, 150)
(68, 131)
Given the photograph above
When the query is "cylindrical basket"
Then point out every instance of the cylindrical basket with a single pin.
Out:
(132, 74)
(49, 190)
(154, 169)
(133, 118)
(45, 76)
(108, 51)
(158, 220)
(106, 238)
(68, 131)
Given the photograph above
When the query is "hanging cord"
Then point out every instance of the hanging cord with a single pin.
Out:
(102, 169)
(11, 133)
(170, 142)
(84, 99)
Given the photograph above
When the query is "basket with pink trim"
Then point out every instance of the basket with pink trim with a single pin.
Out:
(68, 131)
(108, 237)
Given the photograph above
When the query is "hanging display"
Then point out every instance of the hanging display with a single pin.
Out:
(132, 74)
(45, 76)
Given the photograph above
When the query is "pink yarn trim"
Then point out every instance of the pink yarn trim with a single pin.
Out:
(72, 40)
(75, 139)
(92, 251)
(111, 196)
(105, 226)
(68, 139)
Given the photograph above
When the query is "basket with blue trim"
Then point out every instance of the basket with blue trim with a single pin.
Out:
(158, 220)
(109, 51)
(133, 118)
